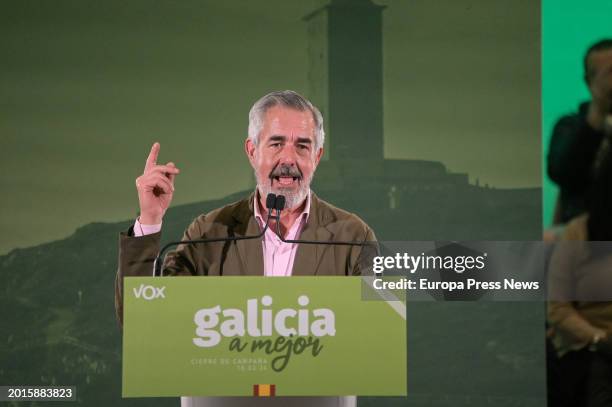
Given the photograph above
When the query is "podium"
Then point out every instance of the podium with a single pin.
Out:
(255, 336)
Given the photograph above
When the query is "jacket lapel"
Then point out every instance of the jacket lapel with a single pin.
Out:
(250, 251)
(308, 257)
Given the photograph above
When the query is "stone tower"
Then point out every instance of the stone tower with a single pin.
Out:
(345, 77)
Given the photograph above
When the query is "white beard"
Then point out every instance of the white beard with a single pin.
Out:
(293, 197)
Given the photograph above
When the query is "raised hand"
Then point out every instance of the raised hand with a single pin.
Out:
(155, 188)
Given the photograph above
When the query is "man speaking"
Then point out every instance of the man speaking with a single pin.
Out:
(284, 146)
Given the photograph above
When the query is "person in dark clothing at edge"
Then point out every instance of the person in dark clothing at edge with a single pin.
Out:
(578, 138)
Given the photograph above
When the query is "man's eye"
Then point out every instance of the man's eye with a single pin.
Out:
(275, 145)
(302, 146)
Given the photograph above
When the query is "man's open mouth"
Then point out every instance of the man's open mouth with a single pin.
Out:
(285, 181)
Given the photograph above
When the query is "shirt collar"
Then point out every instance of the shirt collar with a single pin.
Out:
(301, 217)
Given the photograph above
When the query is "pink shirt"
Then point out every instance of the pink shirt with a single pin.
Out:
(278, 256)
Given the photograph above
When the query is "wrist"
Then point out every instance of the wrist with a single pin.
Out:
(149, 220)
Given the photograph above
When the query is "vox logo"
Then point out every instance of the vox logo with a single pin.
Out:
(148, 292)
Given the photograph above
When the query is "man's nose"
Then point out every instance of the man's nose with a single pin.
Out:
(288, 155)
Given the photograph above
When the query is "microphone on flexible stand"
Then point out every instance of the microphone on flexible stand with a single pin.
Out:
(280, 205)
(271, 203)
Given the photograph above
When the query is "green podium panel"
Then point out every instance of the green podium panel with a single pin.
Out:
(244, 336)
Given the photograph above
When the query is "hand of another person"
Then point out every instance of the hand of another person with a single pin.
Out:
(155, 188)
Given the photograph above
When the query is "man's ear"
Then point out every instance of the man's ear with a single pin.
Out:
(249, 149)
(319, 155)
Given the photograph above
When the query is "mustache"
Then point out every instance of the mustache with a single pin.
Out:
(284, 170)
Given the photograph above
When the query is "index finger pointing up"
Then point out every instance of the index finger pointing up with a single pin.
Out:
(152, 158)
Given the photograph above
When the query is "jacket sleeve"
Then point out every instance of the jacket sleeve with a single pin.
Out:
(362, 257)
(137, 255)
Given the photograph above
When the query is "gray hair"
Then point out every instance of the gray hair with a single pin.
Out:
(286, 98)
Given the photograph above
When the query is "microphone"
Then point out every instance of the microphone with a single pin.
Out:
(280, 205)
(271, 203)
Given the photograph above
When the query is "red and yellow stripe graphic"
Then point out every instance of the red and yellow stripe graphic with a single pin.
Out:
(264, 390)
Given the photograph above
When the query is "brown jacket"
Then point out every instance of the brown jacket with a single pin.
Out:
(245, 257)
